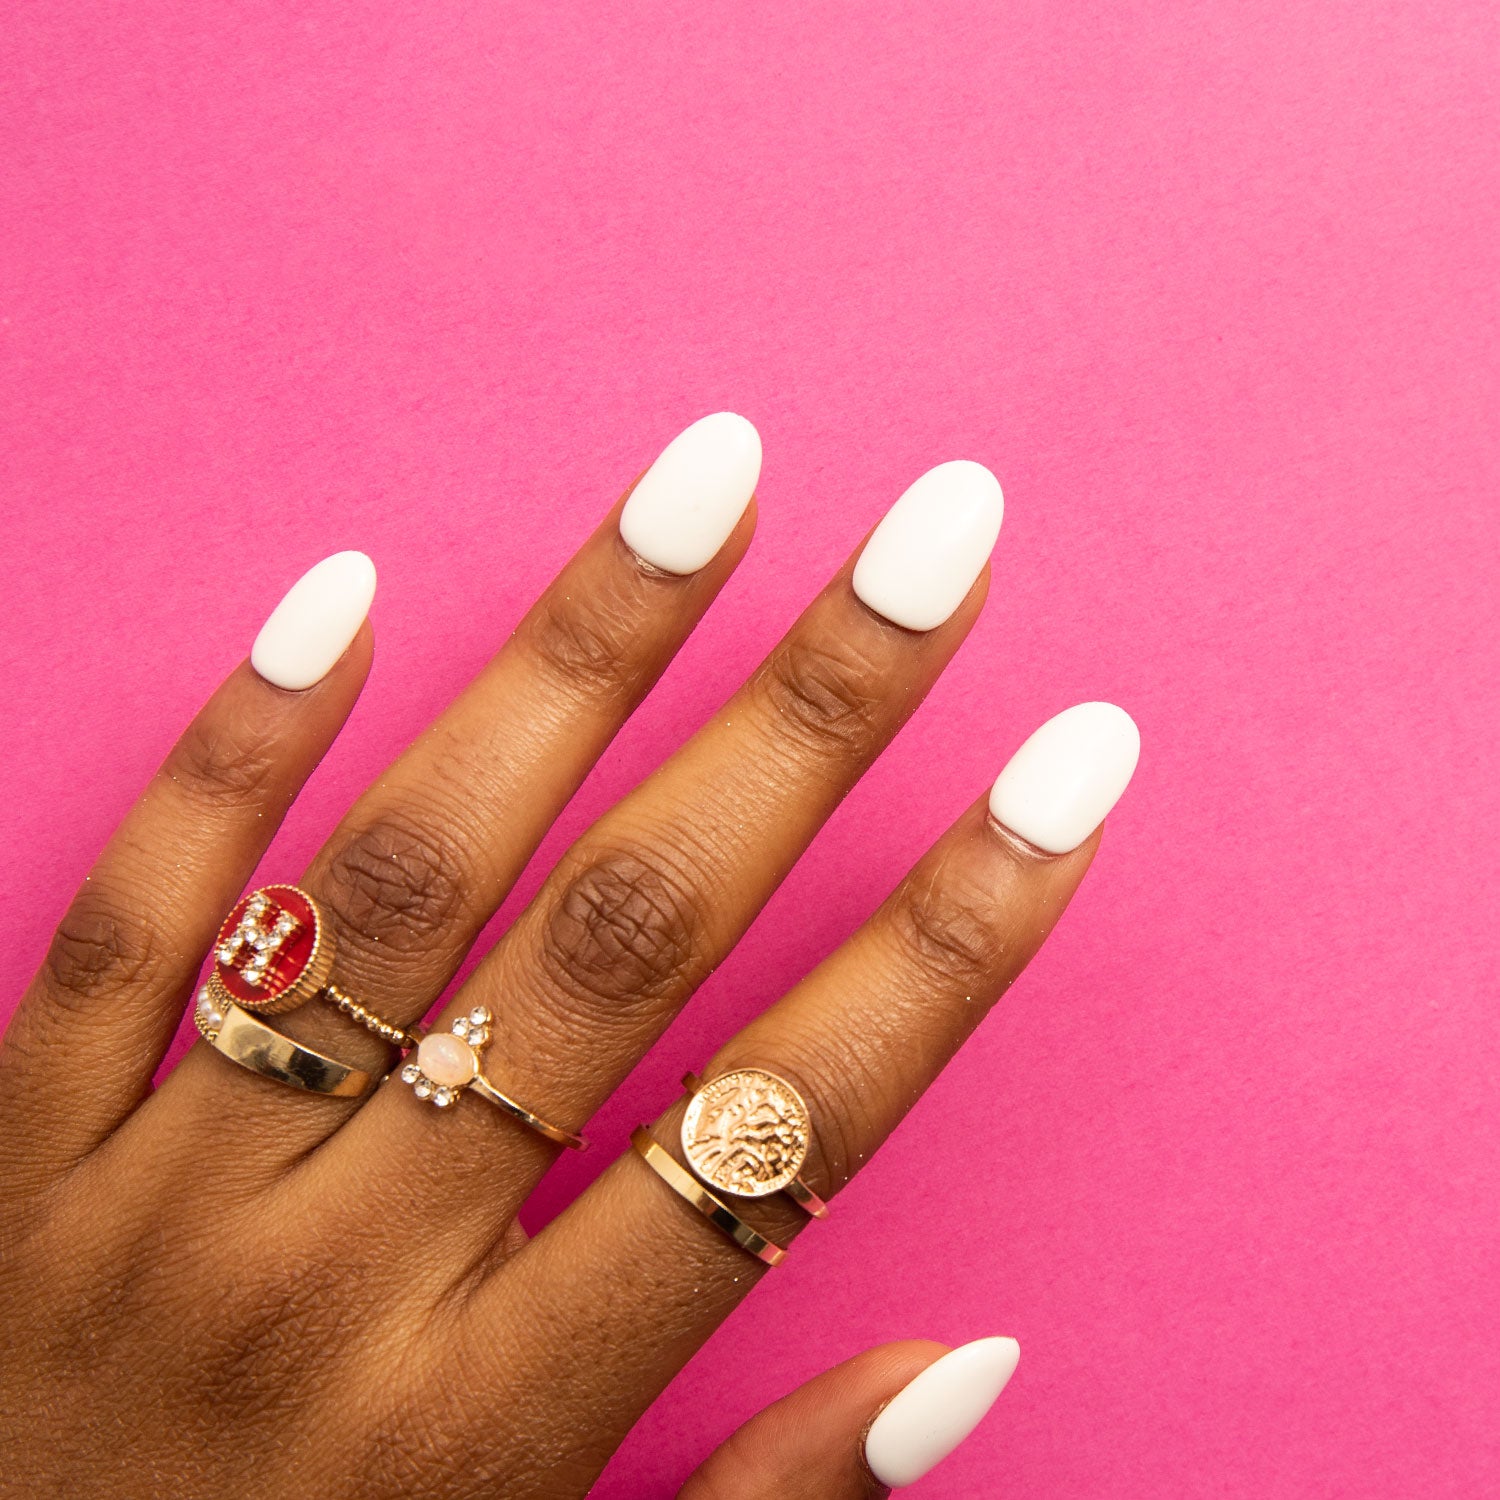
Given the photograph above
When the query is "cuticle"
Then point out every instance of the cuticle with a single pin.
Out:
(880, 1487)
(1020, 845)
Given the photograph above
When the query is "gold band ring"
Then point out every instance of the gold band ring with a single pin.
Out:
(275, 951)
(247, 1040)
(691, 1191)
(748, 1133)
(449, 1062)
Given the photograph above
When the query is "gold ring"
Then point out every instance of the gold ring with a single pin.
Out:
(275, 951)
(688, 1188)
(448, 1062)
(748, 1133)
(247, 1040)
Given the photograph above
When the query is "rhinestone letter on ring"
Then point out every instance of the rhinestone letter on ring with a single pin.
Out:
(274, 952)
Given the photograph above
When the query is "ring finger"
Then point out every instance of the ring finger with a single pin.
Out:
(860, 1038)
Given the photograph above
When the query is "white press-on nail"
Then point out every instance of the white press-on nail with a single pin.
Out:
(693, 496)
(926, 1420)
(315, 622)
(1060, 785)
(925, 555)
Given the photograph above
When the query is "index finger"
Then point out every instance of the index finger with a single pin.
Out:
(93, 1025)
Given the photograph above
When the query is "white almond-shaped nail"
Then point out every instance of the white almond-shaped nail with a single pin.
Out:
(693, 496)
(315, 622)
(1060, 785)
(926, 1420)
(925, 555)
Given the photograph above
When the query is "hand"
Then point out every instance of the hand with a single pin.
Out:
(228, 1287)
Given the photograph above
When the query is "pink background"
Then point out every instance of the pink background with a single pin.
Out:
(1212, 288)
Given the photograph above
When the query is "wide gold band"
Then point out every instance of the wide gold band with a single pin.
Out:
(797, 1190)
(250, 1042)
(487, 1090)
(691, 1191)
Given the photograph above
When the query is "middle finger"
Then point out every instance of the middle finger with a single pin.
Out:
(648, 902)
(632, 1278)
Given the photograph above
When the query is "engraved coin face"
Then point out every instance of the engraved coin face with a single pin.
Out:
(747, 1133)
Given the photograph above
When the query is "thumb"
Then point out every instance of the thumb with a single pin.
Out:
(881, 1419)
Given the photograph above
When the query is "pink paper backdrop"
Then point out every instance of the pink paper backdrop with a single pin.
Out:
(1212, 288)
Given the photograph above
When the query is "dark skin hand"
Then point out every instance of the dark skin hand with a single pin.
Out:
(224, 1287)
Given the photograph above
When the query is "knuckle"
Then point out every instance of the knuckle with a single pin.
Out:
(101, 946)
(271, 1344)
(946, 925)
(397, 882)
(829, 694)
(592, 644)
(848, 1079)
(90, 1316)
(221, 760)
(624, 928)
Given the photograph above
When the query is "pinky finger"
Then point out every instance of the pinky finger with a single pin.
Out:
(92, 1027)
(880, 1420)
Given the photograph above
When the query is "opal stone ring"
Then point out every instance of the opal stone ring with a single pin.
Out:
(450, 1063)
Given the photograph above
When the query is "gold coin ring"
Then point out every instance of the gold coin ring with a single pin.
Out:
(691, 1191)
(748, 1133)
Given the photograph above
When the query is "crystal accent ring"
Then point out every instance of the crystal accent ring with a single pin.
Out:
(450, 1063)
(274, 952)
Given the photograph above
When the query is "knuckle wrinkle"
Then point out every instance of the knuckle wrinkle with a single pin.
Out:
(623, 929)
(397, 883)
(831, 695)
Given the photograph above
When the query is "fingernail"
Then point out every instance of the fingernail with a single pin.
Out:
(925, 555)
(1060, 785)
(693, 496)
(926, 1420)
(315, 622)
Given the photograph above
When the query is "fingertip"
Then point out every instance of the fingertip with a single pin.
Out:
(1067, 776)
(936, 1411)
(315, 622)
(920, 563)
(686, 506)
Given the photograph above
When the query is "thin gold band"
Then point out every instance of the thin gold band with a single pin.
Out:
(482, 1086)
(797, 1190)
(248, 1041)
(691, 1191)
(367, 1018)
